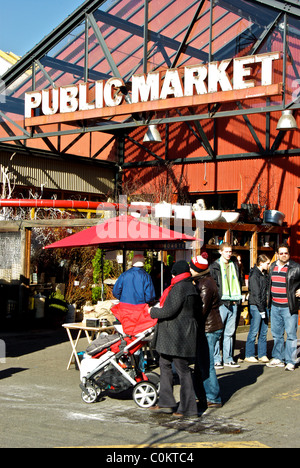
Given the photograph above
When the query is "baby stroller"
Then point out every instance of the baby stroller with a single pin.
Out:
(110, 364)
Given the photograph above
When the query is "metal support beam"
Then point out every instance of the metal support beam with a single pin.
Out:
(223, 157)
(136, 30)
(104, 47)
(5, 117)
(289, 6)
(146, 35)
(119, 174)
(74, 69)
(106, 51)
(252, 131)
(86, 50)
(203, 138)
(183, 44)
(265, 33)
(147, 150)
(115, 127)
(46, 75)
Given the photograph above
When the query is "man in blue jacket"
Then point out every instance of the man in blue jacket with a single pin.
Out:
(135, 285)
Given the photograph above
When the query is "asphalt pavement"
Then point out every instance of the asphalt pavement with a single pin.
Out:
(41, 405)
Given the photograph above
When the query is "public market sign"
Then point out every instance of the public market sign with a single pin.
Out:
(224, 81)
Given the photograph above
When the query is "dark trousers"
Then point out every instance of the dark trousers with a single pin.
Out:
(187, 405)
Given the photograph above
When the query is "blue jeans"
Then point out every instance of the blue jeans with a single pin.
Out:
(229, 317)
(205, 366)
(258, 326)
(282, 321)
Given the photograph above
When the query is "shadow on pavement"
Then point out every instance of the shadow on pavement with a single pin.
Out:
(27, 342)
(11, 371)
(232, 382)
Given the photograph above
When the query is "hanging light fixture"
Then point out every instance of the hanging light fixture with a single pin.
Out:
(287, 121)
(152, 135)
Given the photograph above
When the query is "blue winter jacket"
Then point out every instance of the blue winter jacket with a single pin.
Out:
(134, 286)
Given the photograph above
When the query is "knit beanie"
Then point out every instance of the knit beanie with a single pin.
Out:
(180, 267)
(199, 263)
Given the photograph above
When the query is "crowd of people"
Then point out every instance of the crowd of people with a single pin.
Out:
(197, 318)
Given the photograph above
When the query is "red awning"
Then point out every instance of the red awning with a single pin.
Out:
(124, 232)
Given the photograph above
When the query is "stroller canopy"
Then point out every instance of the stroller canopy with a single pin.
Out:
(134, 318)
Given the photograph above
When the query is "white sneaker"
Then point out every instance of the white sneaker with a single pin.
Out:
(290, 367)
(251, 359)
(275, 363)
(231, 364)
(263, 359)
(218, 365)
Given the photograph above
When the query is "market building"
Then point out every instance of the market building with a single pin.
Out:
(169, 101)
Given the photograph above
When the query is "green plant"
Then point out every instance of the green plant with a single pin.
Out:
(148, 264)
(97, 293)
(102, 269)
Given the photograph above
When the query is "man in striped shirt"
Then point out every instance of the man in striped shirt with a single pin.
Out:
(284, 294)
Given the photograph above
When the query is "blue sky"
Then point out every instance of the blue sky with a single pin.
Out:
(23, 23)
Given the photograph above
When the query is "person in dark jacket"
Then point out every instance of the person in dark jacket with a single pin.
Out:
(284, 300)
(210, 328)
(258, 289)
(175, 341)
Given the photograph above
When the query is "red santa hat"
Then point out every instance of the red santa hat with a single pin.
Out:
(199, 263)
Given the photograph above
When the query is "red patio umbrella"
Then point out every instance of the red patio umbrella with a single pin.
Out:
(124, 232)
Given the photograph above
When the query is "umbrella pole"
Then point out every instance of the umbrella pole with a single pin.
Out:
(161, 275)
(102, 277)
(124, 260)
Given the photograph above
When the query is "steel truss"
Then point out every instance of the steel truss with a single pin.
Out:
(88, 14)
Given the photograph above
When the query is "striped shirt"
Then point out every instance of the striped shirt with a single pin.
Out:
(278, 286)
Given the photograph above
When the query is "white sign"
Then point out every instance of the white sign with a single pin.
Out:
(176, 83)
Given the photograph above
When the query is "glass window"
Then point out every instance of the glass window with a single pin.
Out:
(218, 201)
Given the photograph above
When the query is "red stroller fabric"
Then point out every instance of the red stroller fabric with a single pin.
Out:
(133, 318)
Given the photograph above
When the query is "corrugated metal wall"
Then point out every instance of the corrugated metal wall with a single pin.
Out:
(269, 180)
(271, 183)
(58, 175)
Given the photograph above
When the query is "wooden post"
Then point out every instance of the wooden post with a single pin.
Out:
(253, 249)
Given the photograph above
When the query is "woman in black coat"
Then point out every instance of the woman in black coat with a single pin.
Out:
(175, 341)
(258, 287)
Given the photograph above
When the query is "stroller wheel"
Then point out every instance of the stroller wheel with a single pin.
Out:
(90, 394)
(155, 379)
(145, 394)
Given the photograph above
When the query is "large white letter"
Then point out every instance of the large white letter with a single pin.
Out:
(195, 76)
(32, 101)
(217, 74)
(267, 67)
(99, 85)
(68, 99)
(113, 98)
(145, 88)
(172, 85)
(48, 109)
(83, 97)
(240, 71)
